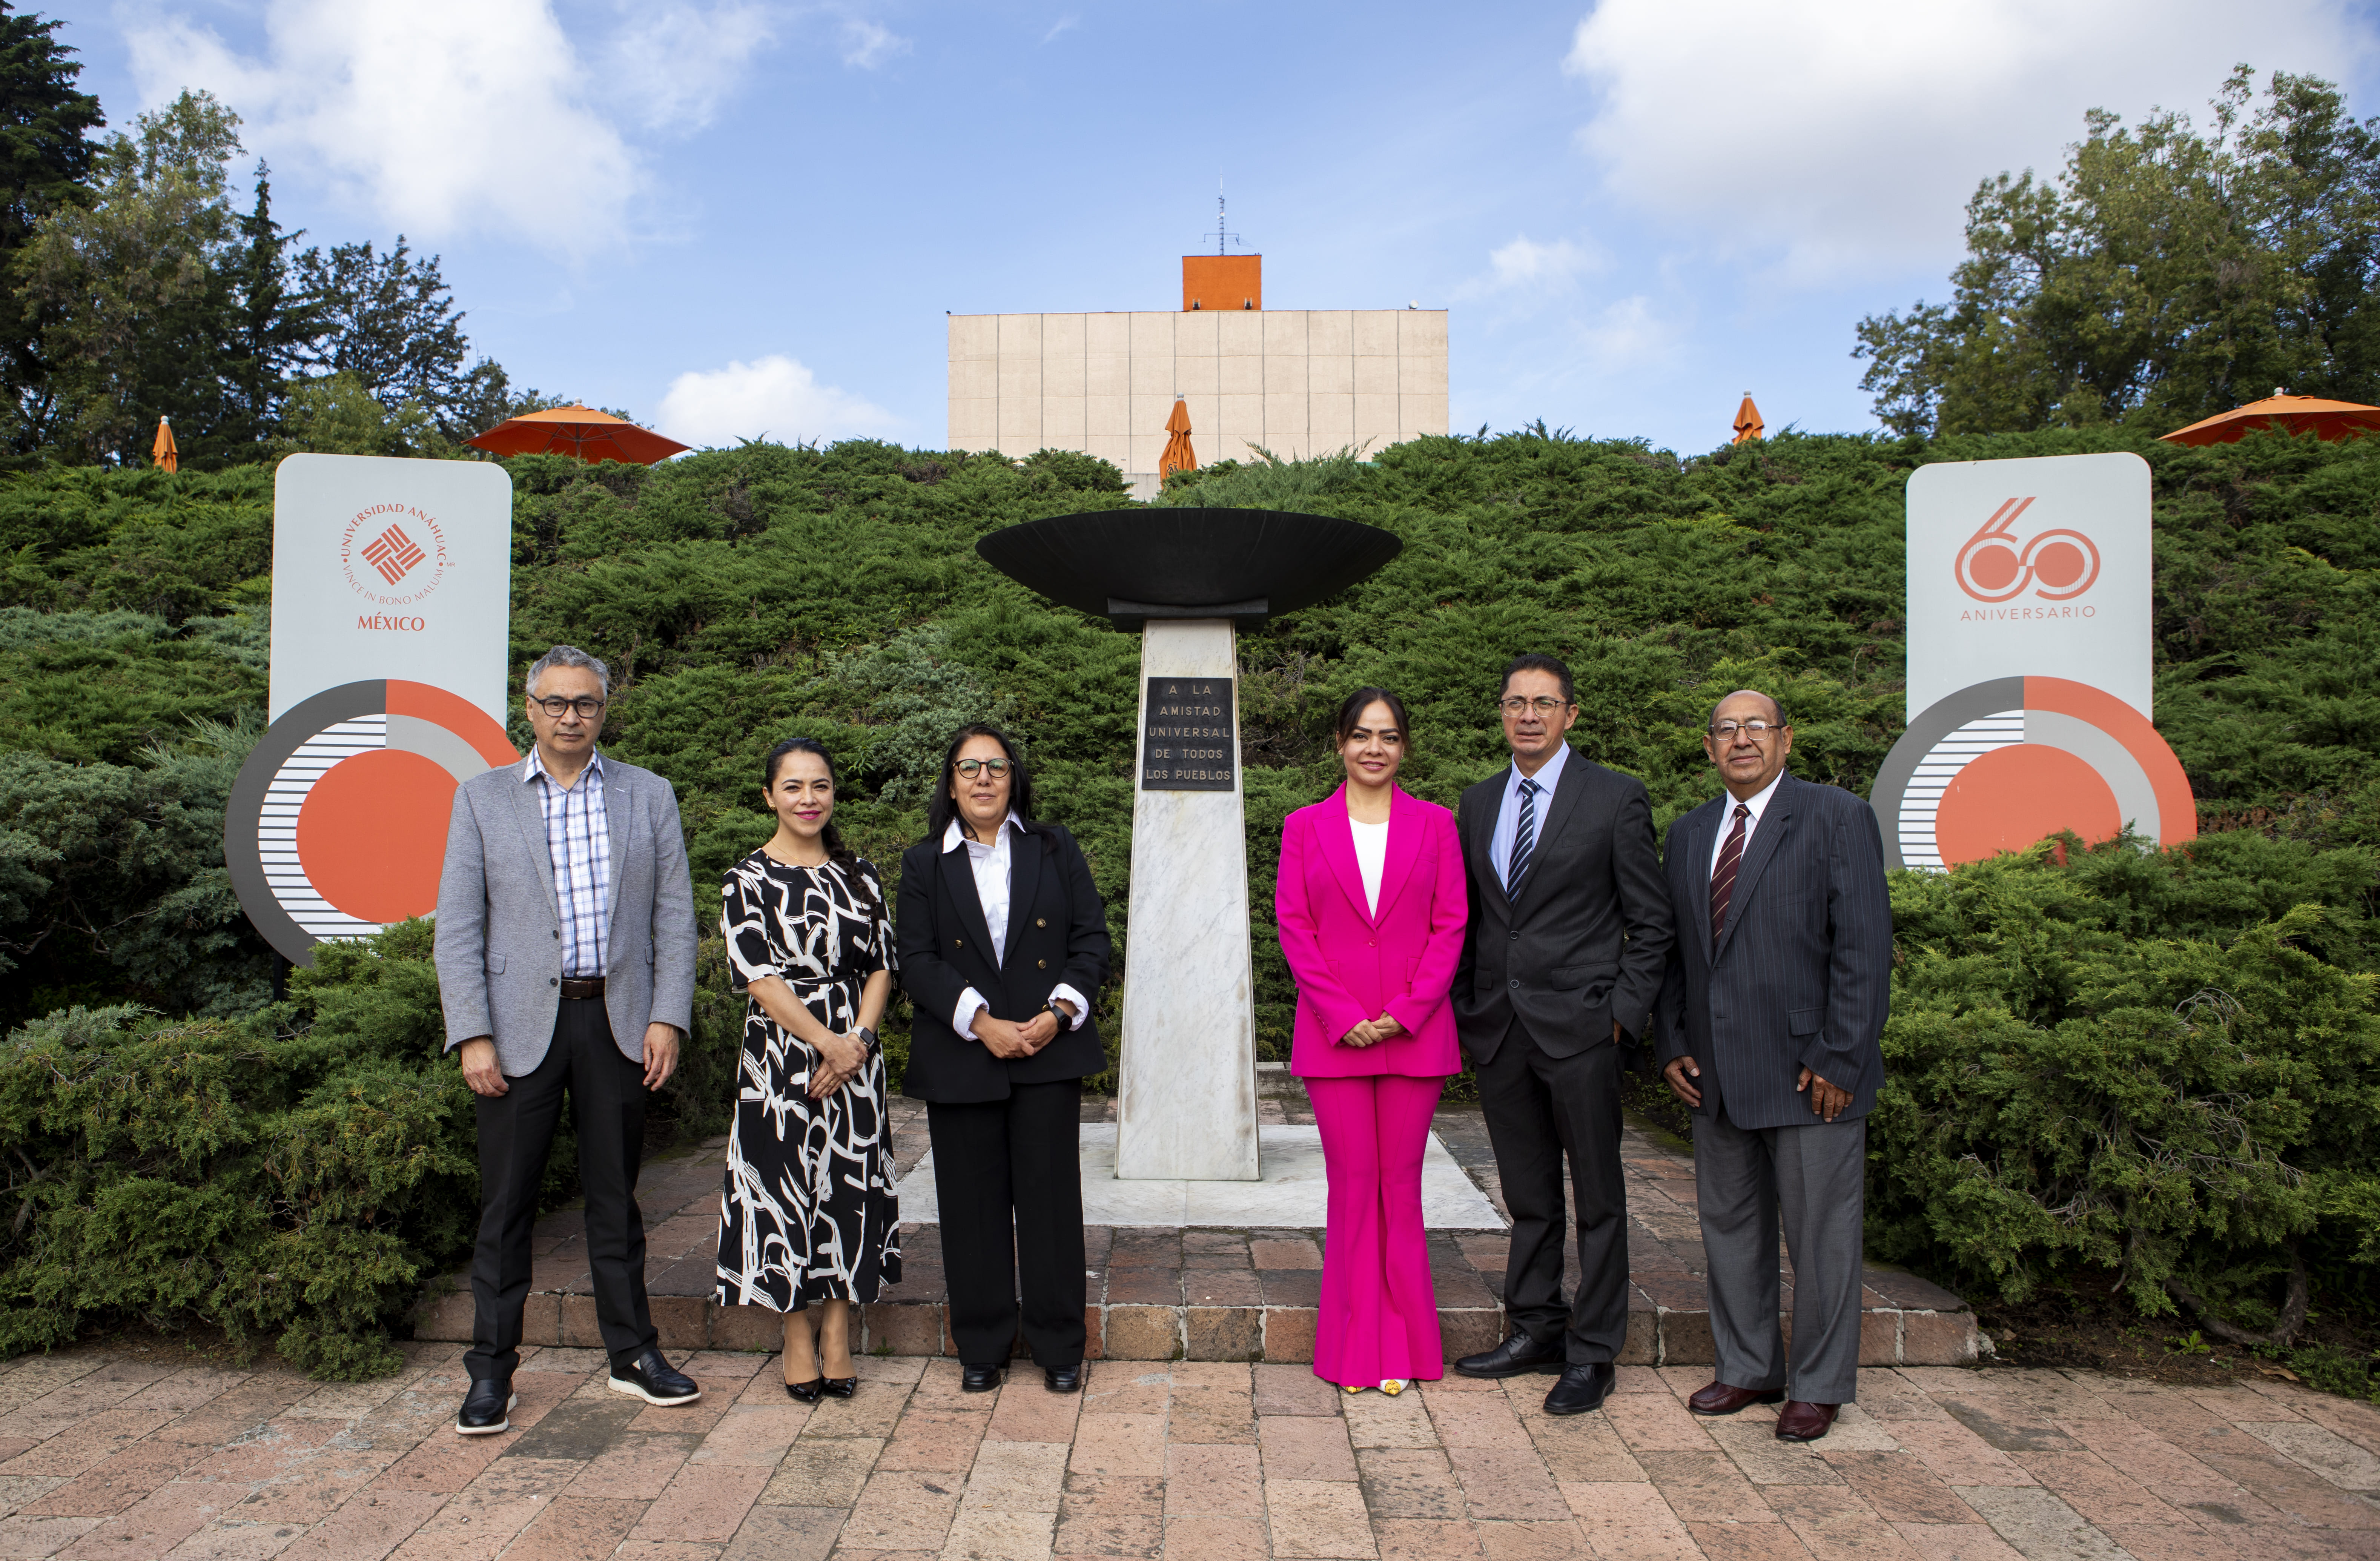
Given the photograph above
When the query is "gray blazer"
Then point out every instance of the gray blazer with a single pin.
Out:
(499, 932)
(1586, 942)
(1802, 974)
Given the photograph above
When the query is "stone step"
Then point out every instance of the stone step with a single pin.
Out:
(1889, 1336)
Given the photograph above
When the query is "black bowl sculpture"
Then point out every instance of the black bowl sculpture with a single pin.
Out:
(1129, 565)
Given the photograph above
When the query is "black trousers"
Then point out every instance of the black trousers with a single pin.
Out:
(607, 1103)
(1009, 1177)
(1540, 1109)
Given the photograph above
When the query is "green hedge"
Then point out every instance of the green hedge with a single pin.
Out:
(2047, 1058)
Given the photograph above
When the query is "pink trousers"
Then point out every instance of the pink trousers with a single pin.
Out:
(1378, 1315)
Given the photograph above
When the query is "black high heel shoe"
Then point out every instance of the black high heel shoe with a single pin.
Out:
(809, 1392)
(838, 1387)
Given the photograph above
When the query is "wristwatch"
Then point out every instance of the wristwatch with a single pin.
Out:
(866, 1039)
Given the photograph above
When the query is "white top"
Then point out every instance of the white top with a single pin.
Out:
(1757, 803)
(1371, 859)
(1508, 817)
(990, 866)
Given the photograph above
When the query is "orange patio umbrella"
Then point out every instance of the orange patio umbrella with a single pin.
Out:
(161, 455)
(1178, 456)
(2298, 414)
(1747, 422)
(577, 430)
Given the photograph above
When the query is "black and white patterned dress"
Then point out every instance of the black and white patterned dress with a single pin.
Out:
(808, 1214)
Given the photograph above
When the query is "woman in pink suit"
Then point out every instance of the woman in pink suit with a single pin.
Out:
(1370, 903)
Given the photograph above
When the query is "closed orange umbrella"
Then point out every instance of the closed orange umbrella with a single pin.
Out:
(577, 430)
(1178, 456)
(2298, 414)
(1747, 422)
(162, 453)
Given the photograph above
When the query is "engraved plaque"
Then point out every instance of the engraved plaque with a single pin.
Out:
(1187, 738)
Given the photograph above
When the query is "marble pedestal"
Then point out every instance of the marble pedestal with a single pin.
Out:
(1186, 1106)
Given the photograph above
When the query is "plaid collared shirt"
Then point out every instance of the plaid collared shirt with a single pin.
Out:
(578, 840)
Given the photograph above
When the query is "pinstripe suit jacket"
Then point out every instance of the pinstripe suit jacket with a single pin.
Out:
(1801, 975)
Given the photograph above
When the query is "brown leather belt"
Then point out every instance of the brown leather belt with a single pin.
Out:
(582, 986)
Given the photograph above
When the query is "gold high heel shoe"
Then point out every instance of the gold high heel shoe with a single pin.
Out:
(1393, 1386)
(1351, 1389)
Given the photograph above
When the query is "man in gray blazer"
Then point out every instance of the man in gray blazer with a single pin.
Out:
(1775, 997)
(565, 963)
(1568, 930)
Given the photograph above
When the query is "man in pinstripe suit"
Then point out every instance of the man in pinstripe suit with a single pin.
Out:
(1774, 996)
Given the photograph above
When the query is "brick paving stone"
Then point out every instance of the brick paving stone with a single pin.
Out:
(988, 1534)
(1293, 1390)
(1212, 1480)
(1305, 1447)
(1409, 1483)
(33, 1539)
(705, 1503)
(155, 1524)
(1215, 1539)
(1956, 1542)
(2326, 1452)
(2038, 1524)
(1706, 1487)
(822, 1472)
(1424, 1538)
(1772, 1541)
(367, 1527)
(1374, 1420)
(1834, 1524)
(1313, 1518)
(772, 1533)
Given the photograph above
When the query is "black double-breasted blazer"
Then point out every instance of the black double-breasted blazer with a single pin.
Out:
(1585, 941)
(1057, 933)
(1801, 974)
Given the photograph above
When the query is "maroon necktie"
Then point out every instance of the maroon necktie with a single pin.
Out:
(1730, 857)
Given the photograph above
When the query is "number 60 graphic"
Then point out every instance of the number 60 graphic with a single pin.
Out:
(1992, 568)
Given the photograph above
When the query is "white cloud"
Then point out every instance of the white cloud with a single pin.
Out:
(867, 45)
(773, 396)
(677, 62)
(443, 116)
(1847, 134)
(1066, 23)
(1525, 266)
(1627, 334)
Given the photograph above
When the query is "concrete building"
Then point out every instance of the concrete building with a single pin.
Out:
(1299, 382)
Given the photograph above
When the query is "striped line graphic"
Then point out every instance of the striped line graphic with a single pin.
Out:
(1923, 801)
(276, 830)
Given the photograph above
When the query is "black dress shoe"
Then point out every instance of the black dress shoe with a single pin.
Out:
(806, 1391)
(650, 1379)
(487, 1408)
(1581, 1388)
(1065, 1379)
(979, 1379)
(840, 1387)
(1516, 1357)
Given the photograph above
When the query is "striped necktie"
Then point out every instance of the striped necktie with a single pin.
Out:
(1730, 857)
(1524, 839)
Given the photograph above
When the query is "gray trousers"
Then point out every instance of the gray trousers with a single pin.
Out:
(1814, 1177)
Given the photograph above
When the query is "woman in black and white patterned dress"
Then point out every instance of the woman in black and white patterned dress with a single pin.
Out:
(809, 1216)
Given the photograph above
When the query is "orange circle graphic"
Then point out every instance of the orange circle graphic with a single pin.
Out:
(1994, 566)
(372, 834)
(2059, 565)
(2010, 798)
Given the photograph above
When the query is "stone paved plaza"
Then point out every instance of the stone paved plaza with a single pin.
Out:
(128, 1456)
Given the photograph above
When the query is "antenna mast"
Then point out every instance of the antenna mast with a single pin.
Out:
(1223, 236)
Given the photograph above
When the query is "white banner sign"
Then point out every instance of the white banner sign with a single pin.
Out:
(392, 569)
(2029, 567)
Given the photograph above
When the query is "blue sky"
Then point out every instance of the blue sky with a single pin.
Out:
(748, 217)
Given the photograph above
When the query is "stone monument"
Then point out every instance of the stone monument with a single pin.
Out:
(1188, 578)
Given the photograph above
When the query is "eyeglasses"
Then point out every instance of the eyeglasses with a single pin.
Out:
(587, 707)
(971, 768)
(1543, 704)
(1726, 730)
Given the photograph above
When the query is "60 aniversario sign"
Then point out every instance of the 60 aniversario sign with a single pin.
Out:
(1188, 741)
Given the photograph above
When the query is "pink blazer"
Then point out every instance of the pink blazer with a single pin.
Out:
(1349, 964)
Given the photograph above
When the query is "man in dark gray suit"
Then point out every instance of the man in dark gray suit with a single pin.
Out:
(1776, 994)
(1568, 930)
(565, 962)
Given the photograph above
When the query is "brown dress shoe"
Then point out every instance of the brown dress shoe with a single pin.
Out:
(1720, 1399)
(1805, 1422)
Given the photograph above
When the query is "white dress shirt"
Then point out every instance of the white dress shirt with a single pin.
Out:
(1371, 859)
(990, 865)
(1508, 818)
(1757, 803)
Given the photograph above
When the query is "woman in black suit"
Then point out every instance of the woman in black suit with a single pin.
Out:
(1003, 945)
